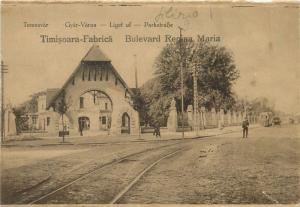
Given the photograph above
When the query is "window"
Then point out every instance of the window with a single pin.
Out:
(95, 74)
(116, 81)
(81, 102)
(83, 75)
(73, 81)
(34, 119)
(106, 78)
(94, 96)
(105, 106)
(48, 121)
(89, 78)
(103, 120)
(101, 74)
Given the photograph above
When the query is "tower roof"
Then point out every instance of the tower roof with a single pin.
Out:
(95, 54)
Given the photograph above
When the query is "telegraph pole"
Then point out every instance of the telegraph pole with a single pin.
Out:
(136, 86)
(135, 72)
(181, 77)
(196, 127)
(3, 71)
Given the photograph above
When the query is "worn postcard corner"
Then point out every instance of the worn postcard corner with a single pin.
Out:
(150, 103)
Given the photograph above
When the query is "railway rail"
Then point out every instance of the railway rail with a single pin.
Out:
(106, 165)
(137, 178)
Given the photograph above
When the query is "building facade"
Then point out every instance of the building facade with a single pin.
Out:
(97, 99)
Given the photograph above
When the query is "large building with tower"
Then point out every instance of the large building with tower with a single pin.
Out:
(96, 97)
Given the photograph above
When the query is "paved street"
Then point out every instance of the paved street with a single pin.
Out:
(262, 169)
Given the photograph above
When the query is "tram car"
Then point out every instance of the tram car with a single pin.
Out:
(266, 119)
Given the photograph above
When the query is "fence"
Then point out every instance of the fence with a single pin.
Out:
(212, 119)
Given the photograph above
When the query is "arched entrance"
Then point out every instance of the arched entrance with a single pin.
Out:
(97, 106)
(84, 123)
(125, 128)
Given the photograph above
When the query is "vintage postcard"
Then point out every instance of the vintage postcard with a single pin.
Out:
(150, 103)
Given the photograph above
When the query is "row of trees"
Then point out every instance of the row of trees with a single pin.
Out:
(215, 71)
(216, 74)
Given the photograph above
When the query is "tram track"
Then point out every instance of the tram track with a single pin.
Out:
(55, 183)
(140, 175)
(96, 170)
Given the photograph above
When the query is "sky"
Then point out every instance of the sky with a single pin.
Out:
(264, 41)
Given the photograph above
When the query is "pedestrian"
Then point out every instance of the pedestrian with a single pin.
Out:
(245, 125)
(158, 131)
(154, 131)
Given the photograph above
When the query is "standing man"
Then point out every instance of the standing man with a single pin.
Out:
(245, 125)
(158, 131)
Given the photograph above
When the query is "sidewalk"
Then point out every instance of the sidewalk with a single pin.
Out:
(114, 139)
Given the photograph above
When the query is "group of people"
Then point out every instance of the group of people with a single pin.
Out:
(245, 126)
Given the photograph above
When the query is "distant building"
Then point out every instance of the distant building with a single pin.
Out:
(98, 100)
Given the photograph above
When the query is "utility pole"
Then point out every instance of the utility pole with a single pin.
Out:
(181, 76)
(137, 91)
(3, 71)
(196, 126)
(135, 72)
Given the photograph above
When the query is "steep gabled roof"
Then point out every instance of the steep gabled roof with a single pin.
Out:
(96, 55)
(50, 94)
(93, 55)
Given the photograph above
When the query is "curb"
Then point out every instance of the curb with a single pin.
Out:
(127, 141)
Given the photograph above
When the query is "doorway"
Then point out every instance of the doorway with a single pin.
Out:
(125, 128)
(84, 123)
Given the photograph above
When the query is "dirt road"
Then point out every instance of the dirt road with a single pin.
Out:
(263, 168)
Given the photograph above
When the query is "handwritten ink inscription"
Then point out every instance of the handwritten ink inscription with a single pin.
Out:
(172, 13)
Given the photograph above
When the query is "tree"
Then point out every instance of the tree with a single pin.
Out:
(22, 114)
(139, 104)
(259, 105)
(216, 74)
(62, 107)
